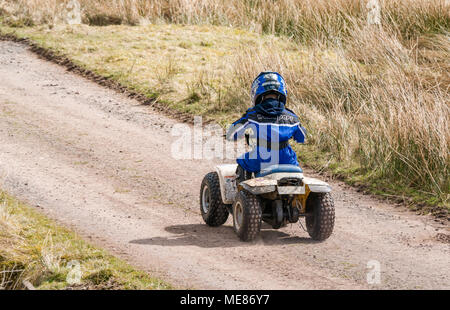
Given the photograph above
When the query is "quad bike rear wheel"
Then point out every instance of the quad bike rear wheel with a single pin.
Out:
(247, 216)
(320, 222)
(214, 211)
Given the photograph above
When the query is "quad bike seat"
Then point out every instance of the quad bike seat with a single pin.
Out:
(278, 169)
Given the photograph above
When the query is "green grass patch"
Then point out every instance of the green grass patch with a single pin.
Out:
(36, 249)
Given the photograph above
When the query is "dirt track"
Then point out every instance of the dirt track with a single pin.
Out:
(100, 163)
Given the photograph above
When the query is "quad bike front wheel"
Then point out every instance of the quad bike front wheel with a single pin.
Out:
(214, 211)
(320, 220)
(247, 216)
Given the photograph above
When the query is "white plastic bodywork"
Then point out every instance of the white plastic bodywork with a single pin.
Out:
(267, 184)
(317, 186)
(264, 185)
(227, 174)
(291, 190)
(258, 186)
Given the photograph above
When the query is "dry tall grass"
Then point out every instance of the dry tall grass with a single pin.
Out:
(35, 250)
(372, 101)
(301, 19)
(374, 95)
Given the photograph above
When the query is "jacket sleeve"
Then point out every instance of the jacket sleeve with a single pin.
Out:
(300, 131)
(300, 134)
(237, 129)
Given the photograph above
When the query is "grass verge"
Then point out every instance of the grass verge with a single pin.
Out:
(36, 250)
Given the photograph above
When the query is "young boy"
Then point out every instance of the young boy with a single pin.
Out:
(272, 125)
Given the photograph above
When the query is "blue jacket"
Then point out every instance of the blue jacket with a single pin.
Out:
(272, 125)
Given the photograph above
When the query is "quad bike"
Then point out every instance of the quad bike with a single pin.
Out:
(277, 195)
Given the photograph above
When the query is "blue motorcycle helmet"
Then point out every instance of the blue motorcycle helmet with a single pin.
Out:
(268, 82)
